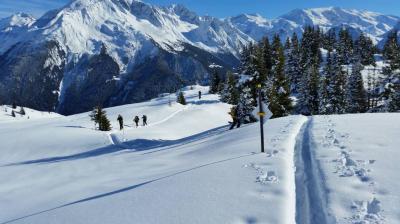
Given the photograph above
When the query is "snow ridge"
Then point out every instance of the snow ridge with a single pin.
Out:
(373, 24)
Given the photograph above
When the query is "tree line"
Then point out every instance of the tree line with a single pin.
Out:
(319, 73)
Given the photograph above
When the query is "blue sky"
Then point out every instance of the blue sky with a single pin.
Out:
(220, 8)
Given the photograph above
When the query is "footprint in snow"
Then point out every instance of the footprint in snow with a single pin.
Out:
(268, 177)
(367, 212)
(336, 141)
(272, 153)
(331, 131)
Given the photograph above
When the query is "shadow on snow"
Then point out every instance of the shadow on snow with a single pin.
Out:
(129, 188)
(136, 145)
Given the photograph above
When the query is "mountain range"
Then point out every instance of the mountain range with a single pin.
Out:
(114, 52)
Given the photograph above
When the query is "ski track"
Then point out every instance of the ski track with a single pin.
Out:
(311, 198)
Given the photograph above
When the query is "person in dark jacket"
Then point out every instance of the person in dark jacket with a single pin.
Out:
(235, 114)
(144, 118)
(199, 95)
(136, 120)
(121, 122)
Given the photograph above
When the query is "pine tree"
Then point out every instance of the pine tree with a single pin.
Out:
(293, 67)
(266, 57)
(364, 50)
(215, 82)
(279, 102)
(345, 47)
(332, 89)
(391, 50)
(325, 88)
(252, 67)
(309, 64)
(96, 115)
(314, 89)
(99, 116)
(356, 98)
(338, 89)
(287, 45)
(394, 98)
(22, 111)
(246, 103)
(391, 94)
(230, 93)
(104, 124)
(181, 98)
(329, 40)
(247, 60)
(276, 48)
(370, 89)
(14, 105)
(324, 106)
(304, 98)
(310, 48)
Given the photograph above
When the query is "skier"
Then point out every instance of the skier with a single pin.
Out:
(235, 114)
(121, 122)
(144, 118)
(136, 120)
(199, 95)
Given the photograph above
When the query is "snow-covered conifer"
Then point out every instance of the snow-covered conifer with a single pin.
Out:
(356, 98)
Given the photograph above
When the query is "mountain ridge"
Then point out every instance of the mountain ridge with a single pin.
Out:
(130, 37)
(374, 24)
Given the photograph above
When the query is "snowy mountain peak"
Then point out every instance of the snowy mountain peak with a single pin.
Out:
(373, 24)
(336, 16)
(255, 18)
(16, 20)
(184, 13)
(131, 28)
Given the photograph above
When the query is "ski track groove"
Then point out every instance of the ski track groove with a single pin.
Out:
(311, 198)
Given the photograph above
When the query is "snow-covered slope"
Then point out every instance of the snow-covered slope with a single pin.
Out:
(187, 167)
(30, 114)
(373, 24)
(358, 157)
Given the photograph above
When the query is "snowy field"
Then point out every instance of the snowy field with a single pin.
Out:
(359, 158)
(187, 167)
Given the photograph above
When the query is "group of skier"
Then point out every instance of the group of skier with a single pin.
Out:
(236, 114)
(136, 120)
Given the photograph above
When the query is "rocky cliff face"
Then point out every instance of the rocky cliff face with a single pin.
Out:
(31, 75)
